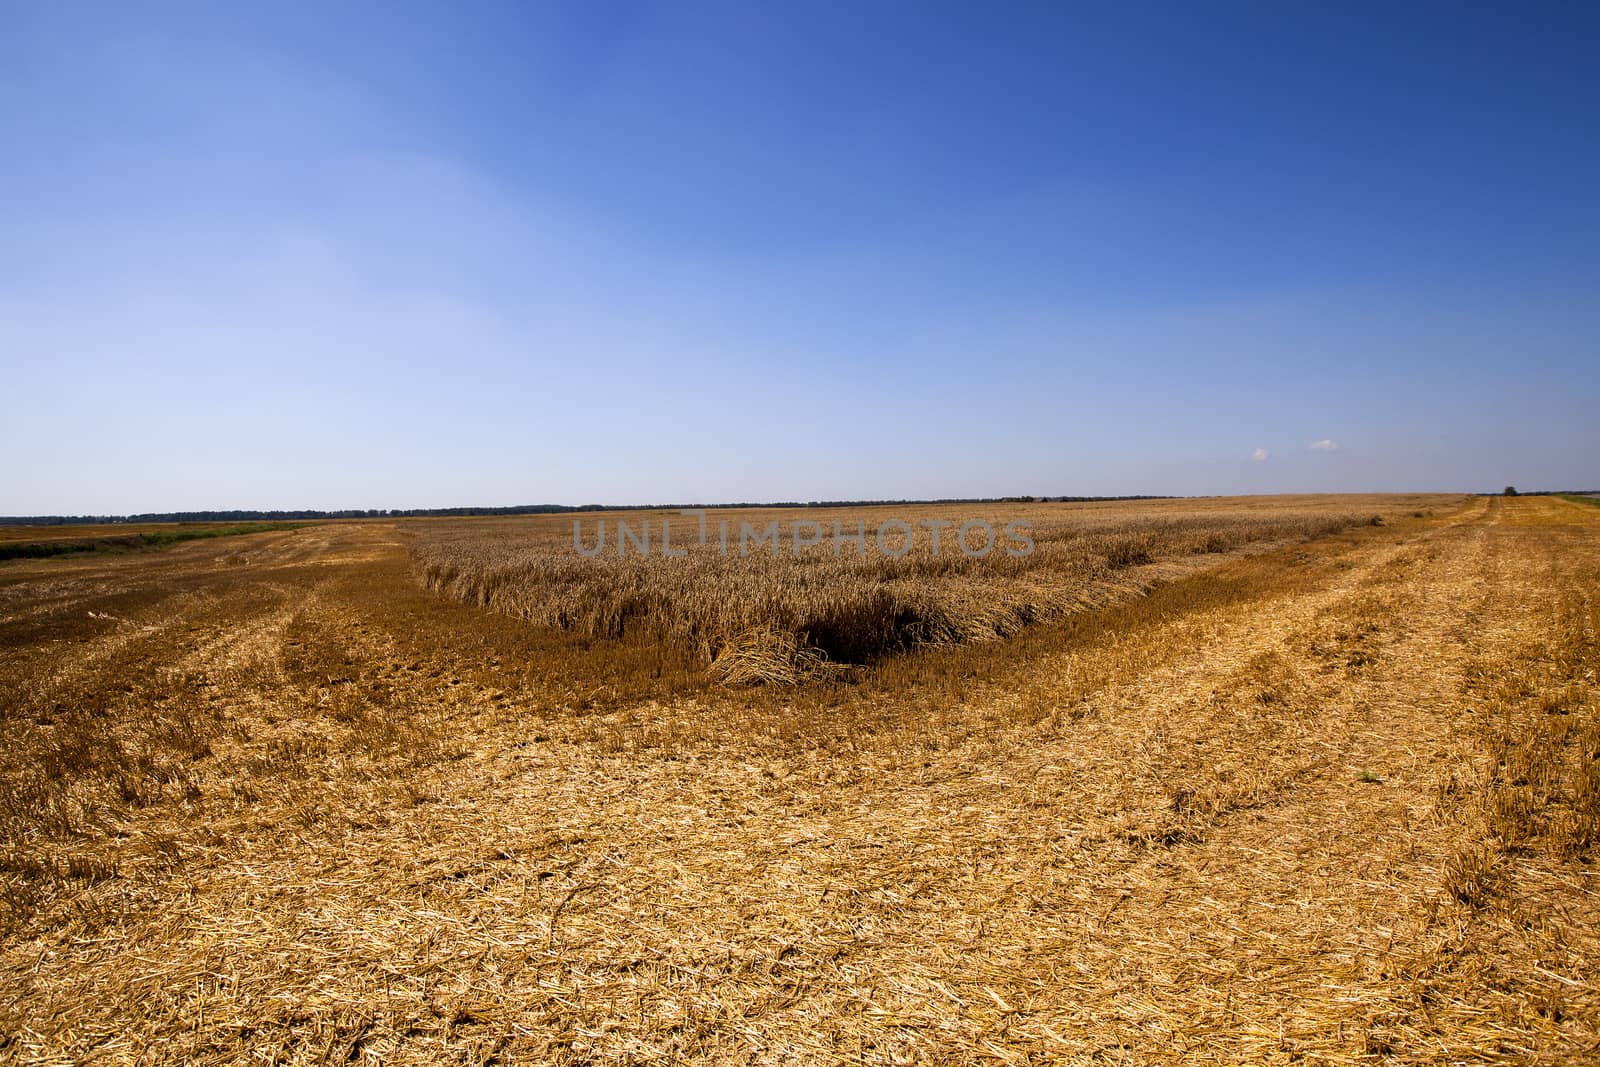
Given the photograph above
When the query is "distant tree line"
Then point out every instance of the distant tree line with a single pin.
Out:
(519, 509)
(1511, 490)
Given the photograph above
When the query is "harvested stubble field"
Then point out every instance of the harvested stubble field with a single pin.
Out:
(81, 532)
(41, 542)
(1291, 798)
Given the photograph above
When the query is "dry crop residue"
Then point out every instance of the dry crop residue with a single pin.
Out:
(1236, 820)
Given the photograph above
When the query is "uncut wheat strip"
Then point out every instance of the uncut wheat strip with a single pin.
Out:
(771, 575)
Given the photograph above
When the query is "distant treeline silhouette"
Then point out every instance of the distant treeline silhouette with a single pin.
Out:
(1512, 490)
(519, 509)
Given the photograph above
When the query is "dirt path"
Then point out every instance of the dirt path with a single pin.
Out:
(1230, 846)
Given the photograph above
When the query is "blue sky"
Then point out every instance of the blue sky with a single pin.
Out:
(406, 255)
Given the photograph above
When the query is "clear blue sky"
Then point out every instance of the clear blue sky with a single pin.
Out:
(400, 255)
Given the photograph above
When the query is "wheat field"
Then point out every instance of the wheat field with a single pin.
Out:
(768, 611)
(1255, 780)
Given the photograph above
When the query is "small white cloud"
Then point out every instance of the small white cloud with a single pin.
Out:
(1327, 444)
(1260, 455)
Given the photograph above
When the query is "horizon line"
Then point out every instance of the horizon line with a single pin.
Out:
(464, 511)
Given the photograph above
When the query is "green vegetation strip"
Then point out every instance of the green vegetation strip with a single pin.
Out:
(1578, 498)
(132, 542)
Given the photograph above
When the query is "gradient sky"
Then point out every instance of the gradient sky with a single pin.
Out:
(405, 255)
